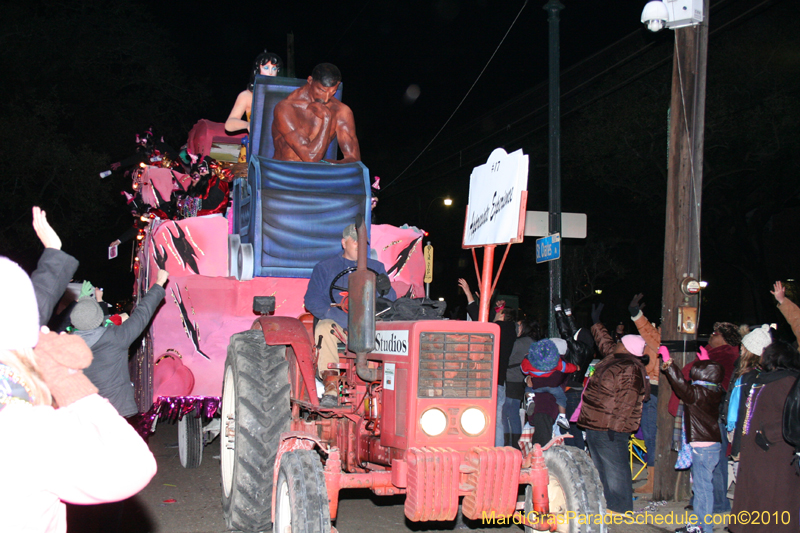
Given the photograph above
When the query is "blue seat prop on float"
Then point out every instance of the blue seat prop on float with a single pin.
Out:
(288, 216)
(267, 92)
(293, 213)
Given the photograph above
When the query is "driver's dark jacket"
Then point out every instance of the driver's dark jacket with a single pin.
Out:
(317, 299)
(700, 404)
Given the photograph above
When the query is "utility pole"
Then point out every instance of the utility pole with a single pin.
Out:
(290, 55)
(682, 237)
(553, 7)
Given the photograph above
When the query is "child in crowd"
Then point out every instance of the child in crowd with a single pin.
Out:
(544, 358)
(701, 397)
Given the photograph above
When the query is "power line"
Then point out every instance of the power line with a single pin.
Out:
(749, 13)
(463, 99)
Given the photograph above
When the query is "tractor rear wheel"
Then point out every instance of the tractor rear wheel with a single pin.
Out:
(255, 411)
(301, 500)
(574, 487)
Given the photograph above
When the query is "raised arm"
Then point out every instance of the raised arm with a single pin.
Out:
(54, 270)
(240, 107)
(649, 333)
(788, 308)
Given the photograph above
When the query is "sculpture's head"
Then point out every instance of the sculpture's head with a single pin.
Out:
(265, 64)
(324, 82)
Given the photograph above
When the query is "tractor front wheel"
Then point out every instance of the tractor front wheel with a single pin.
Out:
(301, 501)
(574, 486)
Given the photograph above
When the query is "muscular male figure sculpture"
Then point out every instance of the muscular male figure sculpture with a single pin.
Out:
(310, 118)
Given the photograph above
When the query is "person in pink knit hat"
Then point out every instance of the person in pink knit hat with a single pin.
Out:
(65, 443)
(612, 410)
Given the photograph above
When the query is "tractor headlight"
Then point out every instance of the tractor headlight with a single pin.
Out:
(433, 422)
(473, 421)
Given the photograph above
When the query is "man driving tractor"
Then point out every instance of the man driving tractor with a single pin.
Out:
(329, 307)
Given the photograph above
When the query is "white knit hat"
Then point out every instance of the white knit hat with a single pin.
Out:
(757, 340)
(19, 314)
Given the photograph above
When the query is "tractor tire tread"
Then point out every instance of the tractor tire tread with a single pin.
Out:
(263, 413)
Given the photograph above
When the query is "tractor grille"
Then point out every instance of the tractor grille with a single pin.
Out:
(455, 365)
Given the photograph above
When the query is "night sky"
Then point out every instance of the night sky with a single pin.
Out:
(387, 49)
(406, 68)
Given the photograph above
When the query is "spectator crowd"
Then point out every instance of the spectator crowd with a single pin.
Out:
(734, 406)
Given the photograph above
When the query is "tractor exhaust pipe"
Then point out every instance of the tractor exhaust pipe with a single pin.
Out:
(361, 316)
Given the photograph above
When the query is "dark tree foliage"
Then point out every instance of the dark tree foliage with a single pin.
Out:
(82, 78)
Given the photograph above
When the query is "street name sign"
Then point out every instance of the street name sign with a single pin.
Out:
(548, 248)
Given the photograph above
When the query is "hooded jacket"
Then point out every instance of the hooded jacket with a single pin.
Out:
(701, 404)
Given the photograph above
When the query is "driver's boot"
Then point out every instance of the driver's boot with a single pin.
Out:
(330, 398)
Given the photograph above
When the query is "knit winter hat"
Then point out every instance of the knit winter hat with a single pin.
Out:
(634, 344)
(757, 340)
(543, 355)
(86, 314)
(561, 345)
(19, 314)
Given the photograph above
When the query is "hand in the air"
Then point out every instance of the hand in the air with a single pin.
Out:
(596, 310)
(663, 351)
(779, 292)
(702, 354)
(634, 307)
(44, 231)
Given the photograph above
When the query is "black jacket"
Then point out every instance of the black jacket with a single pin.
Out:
(701, 404)
(50, 279)
(580, 351)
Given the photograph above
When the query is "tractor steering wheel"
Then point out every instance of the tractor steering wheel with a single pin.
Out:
(339, 276)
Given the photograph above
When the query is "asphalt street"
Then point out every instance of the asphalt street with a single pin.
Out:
(180, 500)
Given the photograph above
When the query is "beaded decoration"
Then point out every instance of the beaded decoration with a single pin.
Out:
(750, 407)
(13, 389)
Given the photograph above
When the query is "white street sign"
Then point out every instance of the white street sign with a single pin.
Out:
(573, 225)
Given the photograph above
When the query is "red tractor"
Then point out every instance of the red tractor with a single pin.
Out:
(416, 416)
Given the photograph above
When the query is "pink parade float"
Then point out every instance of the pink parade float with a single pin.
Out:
(232, 351)
(214, 271)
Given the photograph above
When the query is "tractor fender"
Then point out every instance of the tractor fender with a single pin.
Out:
(288, 331)
(290, 441)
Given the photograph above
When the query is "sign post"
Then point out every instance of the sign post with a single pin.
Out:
(498, 195)
(427, 252)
